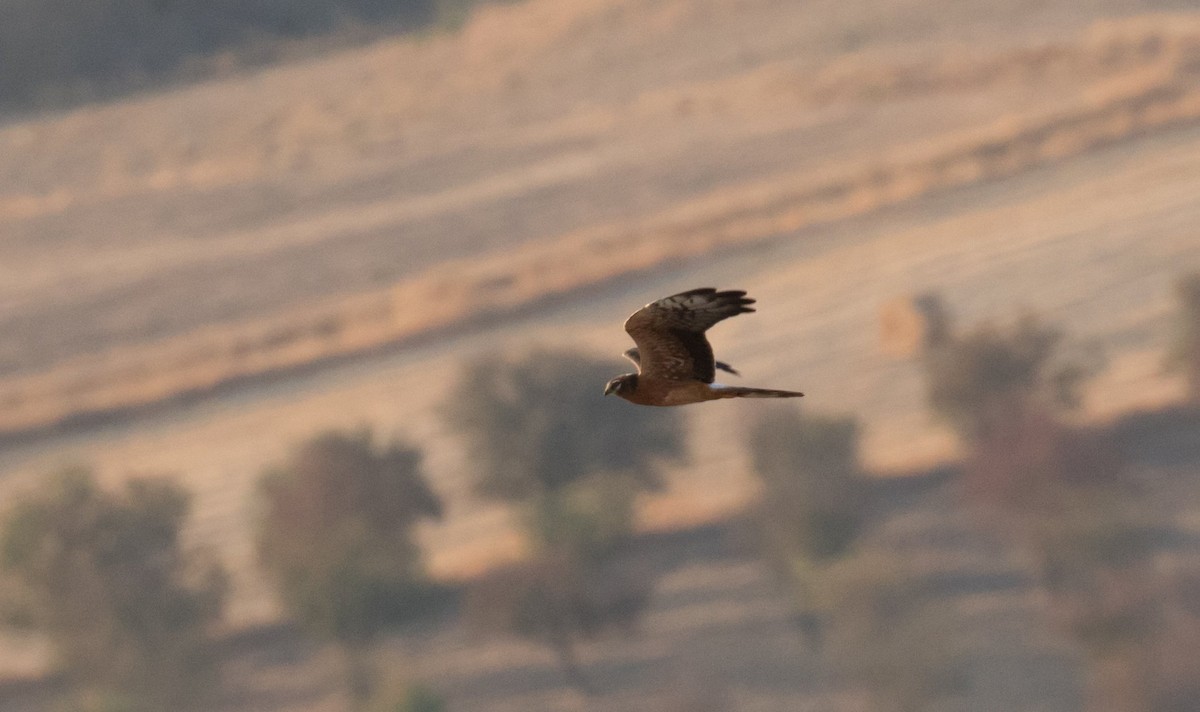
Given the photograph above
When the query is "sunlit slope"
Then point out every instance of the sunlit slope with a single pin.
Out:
(1091, 243)
(252, 225)
(244, 227)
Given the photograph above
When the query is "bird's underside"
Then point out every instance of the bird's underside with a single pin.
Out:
(675, 361)
(665, 393)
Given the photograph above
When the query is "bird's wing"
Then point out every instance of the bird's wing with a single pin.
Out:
(633, 355)
(669, 333)
(722, 366)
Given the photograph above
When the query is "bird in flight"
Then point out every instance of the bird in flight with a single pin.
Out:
(634, 355)
(675, 362)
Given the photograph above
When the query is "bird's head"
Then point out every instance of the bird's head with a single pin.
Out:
(625, 383)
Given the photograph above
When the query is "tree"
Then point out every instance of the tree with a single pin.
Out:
(536, 424)
(541, 434)
(128, 609)
(337, 536)
(557, 600)
(1004, 390)
(1184, 355)
(1063, 494)
(812, 504)
(979, 380)
(813, 487)
(1032, 465)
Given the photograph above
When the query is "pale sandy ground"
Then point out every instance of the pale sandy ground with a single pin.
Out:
(229, 201)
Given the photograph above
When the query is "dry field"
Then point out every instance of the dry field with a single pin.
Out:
(176, 253)
(323, 244)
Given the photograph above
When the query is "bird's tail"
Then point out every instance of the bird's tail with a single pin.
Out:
(744, 392)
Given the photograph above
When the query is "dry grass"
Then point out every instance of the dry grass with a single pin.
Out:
(1095, 132)
(1143, 80)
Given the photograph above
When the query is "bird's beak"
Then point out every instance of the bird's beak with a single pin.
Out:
(608, 389)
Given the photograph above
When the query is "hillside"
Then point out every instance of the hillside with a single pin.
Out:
(250, 226)
(324, 243)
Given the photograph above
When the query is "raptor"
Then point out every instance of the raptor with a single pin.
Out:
(674, 359)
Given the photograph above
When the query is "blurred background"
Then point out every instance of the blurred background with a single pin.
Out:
(307, 310)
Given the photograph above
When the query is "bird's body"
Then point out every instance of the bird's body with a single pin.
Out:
(634, 355)
(675, 361)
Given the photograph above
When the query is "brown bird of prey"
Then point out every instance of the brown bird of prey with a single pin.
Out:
(675, 362)
(634, 355)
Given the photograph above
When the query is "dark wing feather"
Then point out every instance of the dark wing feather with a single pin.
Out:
(669, 333)
(632, 354)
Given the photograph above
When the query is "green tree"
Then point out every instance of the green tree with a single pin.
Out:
(813, 500)
(813, 486)
(982, 379)
(128, 609)
(558, 601)
(536, 424)
(541, 435)
(1063, 495)
(337, 534)
(1004, 390)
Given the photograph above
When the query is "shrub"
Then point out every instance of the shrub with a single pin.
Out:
(337, 534)
(813, 488)
(559, 602)
(981, 379)
(128, 610)
(1031, 464)
(812, 506)
(541, 434)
